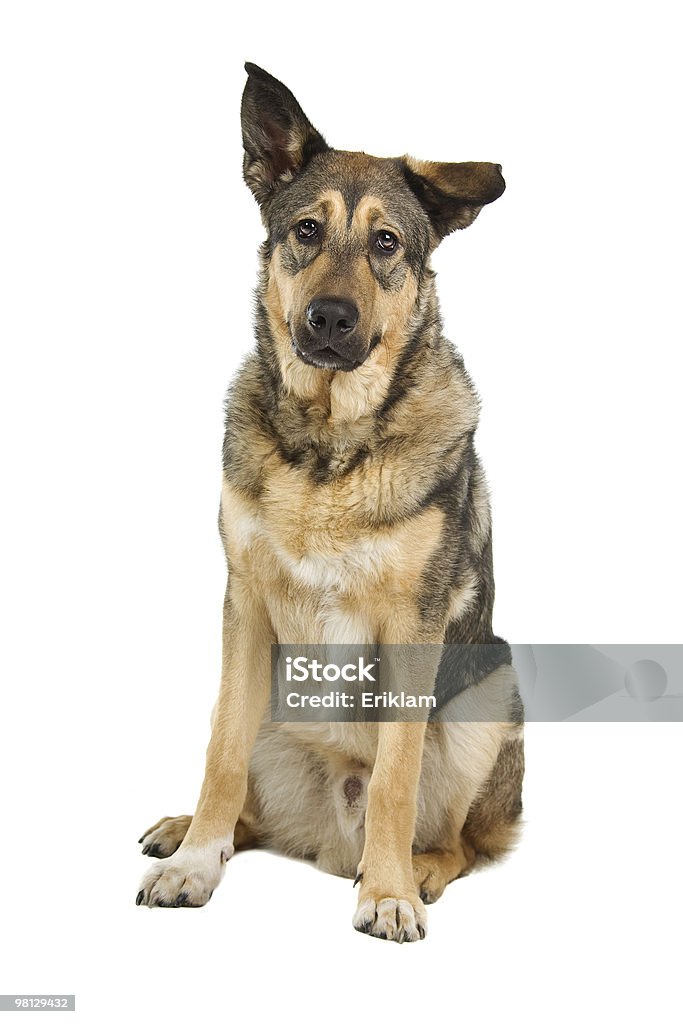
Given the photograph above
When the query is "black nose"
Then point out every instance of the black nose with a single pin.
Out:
(331, 319)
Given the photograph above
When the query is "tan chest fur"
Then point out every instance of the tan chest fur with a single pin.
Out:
(325, 571)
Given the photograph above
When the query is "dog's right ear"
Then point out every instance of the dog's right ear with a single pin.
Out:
(278, 138)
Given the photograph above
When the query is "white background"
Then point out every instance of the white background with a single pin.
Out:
(128, 261)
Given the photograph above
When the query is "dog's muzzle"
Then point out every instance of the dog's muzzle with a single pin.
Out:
(330, 341)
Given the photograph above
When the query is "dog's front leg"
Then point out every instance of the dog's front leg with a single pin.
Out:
(389, 904)
(189, 876)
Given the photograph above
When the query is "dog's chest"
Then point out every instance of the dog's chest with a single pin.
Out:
(326, 572)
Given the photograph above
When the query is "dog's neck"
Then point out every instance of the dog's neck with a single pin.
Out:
(331, 422)
(338, 405)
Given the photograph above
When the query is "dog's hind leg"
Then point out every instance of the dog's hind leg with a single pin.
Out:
(494, 820)
(441, 854)
(164, 838)
(436, 868)
(482, 811)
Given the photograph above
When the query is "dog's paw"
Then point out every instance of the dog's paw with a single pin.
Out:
(400, 920)
(185, 879)
(434, 870)
(164, 838)
(429, 878)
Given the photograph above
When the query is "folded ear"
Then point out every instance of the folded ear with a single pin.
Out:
(278, 137)
(453, 194)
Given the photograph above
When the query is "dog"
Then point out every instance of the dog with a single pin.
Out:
(354, 510)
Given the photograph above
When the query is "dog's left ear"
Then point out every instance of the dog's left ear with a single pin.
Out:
(278, 138)
(453, 194)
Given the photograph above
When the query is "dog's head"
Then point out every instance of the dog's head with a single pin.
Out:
(349, 235)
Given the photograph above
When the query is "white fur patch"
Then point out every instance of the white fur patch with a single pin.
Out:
(363, 559)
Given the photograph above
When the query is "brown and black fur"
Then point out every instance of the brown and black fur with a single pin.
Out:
(354, 510)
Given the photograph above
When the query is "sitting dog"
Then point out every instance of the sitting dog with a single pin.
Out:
(354, 511)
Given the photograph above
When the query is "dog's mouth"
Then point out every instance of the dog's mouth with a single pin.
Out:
(326, 358)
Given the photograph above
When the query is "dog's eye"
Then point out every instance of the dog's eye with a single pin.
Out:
(386, 241)
(306, 230)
